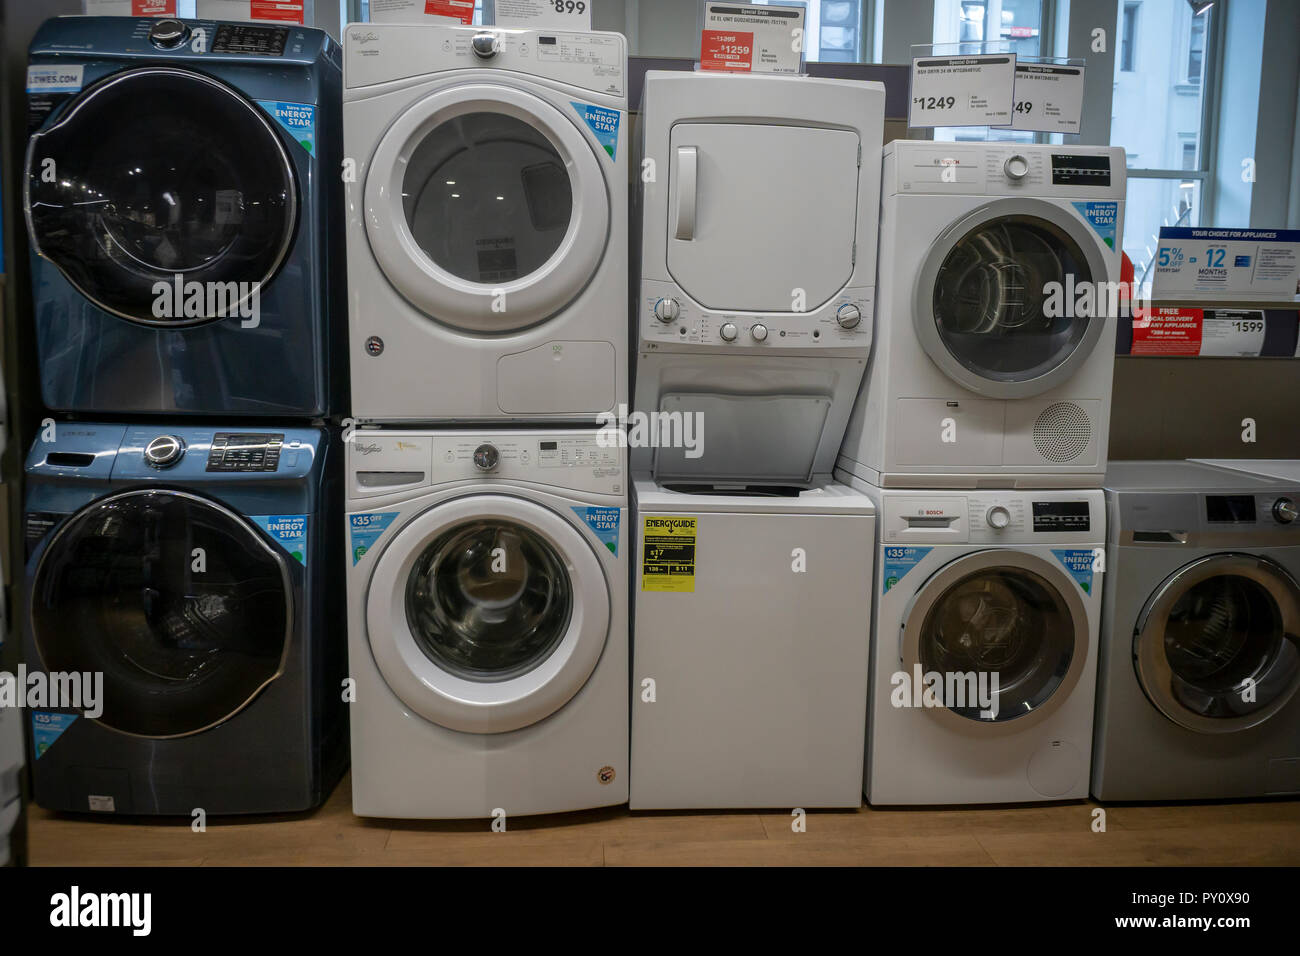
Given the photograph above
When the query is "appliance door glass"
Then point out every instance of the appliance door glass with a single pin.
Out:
(182, 605)
(998, 302)
(762, 218)
(1217, 647)
(1005, 631)
(487, 613)
(161, 175)
(480, 195)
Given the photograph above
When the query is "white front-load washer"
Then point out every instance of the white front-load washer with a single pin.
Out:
(759, 208)
(984, 645)
(995, 337)
(487, 622)
(486, 222)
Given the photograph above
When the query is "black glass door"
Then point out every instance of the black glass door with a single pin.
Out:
(157, 173)
(182, 605)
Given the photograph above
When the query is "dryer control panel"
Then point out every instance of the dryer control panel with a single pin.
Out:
(1004, 169)
(993, 517)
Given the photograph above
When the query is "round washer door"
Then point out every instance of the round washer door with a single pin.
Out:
(480, 191)
(185, 178)
(487, 613)
(1000, 612)
(1217, 647)
(980, 309)
(183, 605)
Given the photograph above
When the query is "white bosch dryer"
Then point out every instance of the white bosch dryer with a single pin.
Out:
(759, 210)
(487, 622)
(486, 222)
(992, 364)
(984, 645)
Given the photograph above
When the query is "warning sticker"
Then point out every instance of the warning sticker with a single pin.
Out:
(668, 554)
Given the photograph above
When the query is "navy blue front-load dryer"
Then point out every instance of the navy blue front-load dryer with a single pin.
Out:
(196, 569)
(183, 202)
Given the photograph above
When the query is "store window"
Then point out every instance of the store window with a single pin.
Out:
(834, 28)
(1159, 116)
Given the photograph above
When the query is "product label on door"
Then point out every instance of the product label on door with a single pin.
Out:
(1102, 217)
(604, 523)
(1078, 562)
(1224, 265)
(544, 14)
(54, 79)
(297, 119)
(289, 531)
(745, 38)
(367, 529)
(668, 553)
(962, 90)
(898, 561)
(48, 727)
(603, 123)
(1049, 98)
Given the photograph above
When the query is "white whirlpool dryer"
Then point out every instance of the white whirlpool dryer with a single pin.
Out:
(759, 211)
(996, 338)
(487, 223)
(487, 622)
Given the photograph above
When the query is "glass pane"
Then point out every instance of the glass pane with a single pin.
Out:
(1152, 203)
(1002, 621)
(183, 179)
(1220, 633)
(990, 292)
(833, 29)
(972, 23)
(180, 650)
(487, 197)
(489, 600)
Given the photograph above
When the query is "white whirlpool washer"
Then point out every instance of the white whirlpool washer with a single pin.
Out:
(486, 223)
(983, 583)
(487, 622)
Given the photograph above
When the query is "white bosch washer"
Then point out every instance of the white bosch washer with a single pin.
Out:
(992, 364)
(487, 222)
(759, 211)
(487, 622)
(984, 646)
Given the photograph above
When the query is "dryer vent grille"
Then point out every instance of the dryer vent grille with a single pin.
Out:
(1062, 432)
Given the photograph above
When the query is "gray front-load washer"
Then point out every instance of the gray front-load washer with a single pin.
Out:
(1200, 642)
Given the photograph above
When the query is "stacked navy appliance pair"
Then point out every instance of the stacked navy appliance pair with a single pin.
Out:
(182, 204)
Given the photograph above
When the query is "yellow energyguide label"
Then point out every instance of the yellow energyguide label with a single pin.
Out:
(668, 553)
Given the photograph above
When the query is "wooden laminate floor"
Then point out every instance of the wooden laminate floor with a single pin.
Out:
(1211, 834)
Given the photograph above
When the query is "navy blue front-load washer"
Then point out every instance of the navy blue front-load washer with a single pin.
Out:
(196, 569)
(184, 205)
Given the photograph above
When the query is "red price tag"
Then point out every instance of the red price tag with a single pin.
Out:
(271, 10)
(462, 10)
(1167, 331)
(728, 51)
(153, 8)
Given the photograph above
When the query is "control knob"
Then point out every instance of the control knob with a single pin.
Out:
(667, 310)
(998, 518)
(1285, 511)
(164, 451)
(486, 45)
(168, 34)
(849, 316)
(486, 457)
(758, 332)
(1016, 167)
(728, 332)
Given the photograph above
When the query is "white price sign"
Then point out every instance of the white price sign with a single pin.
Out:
(962, 90)
(1238, 334)
(1228, 265)
(1049, 99)
(544, 14)
(746, 38)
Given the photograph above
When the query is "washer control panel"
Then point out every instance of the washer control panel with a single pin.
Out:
(245, 451)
